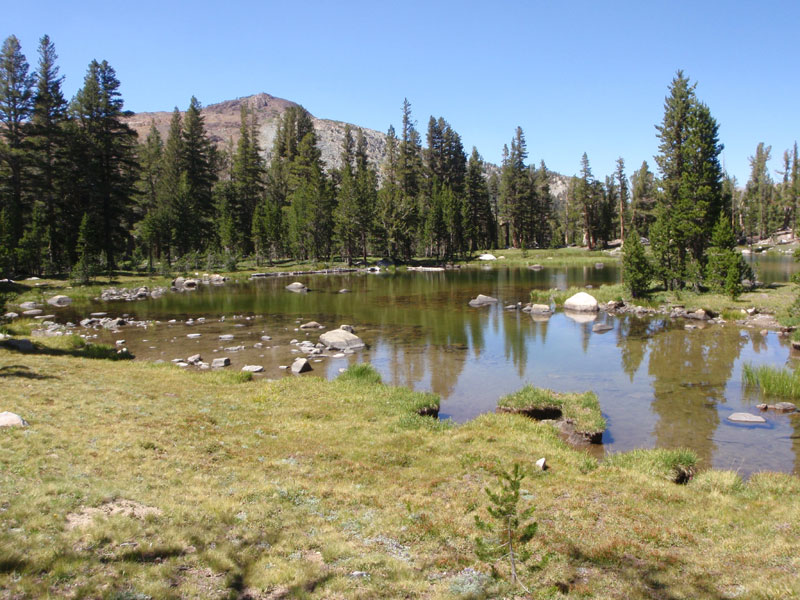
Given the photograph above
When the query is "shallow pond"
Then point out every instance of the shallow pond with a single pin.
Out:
(659, 384)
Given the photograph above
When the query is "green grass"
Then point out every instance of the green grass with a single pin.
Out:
(772, 381)
(363, 372)
(582, 411)
(677, 465)
(287, 488)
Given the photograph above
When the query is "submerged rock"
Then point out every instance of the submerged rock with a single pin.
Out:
(743, 417)
(311, 325)
(601, 327)
(297, 287)
(482, 300)
(59, 300)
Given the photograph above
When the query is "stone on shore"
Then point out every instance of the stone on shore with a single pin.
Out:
(311, 325)
(487, 257)
(301, 365)
(297, 287)
(581, 302)
(218, 363)
(252, 368)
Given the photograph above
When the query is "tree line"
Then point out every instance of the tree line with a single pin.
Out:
(80, 193)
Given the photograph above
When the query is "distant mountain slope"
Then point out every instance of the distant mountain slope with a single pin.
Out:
(223, 119)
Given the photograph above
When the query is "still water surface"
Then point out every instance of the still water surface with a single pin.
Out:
(659, 384)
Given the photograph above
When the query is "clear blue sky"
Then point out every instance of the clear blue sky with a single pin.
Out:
(587, 76)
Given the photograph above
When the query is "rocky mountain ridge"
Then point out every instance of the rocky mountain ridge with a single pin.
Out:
(223, 120)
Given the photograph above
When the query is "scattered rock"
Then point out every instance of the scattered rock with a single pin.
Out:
(193, 336)
(581, 302)
(59, 300)
(194, 359)
(784, 407)
(536, 267)
(541, 464)
(297, 287)
(540, 309)
(226, 337)
(29, 305)
(344, 291)
(32, 312)
(9, 419)
(601, 327)
(11, 315)
(742, 417)
(482, 300)
(348, 328)
(487, 257)
(341, 340)
(253, 368)
(218, 363)
(301, 365)
(311, 325)
(266, 338)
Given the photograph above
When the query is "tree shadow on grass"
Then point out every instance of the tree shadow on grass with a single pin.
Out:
(24, 372)
(101, 351)
(645, 578)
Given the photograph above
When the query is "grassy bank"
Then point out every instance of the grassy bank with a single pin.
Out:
(136, 480)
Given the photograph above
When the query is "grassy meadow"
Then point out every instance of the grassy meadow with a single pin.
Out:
(136, 480)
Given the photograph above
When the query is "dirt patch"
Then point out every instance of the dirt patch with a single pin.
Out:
(129, 508)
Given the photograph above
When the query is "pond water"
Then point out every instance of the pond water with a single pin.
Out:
(659, 384)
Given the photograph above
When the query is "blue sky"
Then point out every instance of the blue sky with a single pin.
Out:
(583, 76)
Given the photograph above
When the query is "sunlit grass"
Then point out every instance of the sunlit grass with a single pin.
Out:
(772, 381)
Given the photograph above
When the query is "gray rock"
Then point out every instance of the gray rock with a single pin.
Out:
(344, 291)
(541, 464)
(536, 267)
(301, 365)
(266, 338)
(348, 328)
(253, 368)
(59, 301)
(218, 363)
(193, 336)
(297, 287)
(742, 417)
(31, 312)
(581, 302)
(194, 359)
(341, 340)
(9, 419)
(487, 256)
(784, 407)
(311, 325)
(11, 315)
(98, 314)
(601, 327)
(482, 300)
(226, 337)
(540, 309)
(29, 305)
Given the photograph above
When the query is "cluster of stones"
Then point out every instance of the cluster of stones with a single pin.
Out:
(131, 294)
(297, 273)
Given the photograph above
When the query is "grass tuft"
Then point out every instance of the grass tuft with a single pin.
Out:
(677, 465)
(772, 381)
(582, 411)
(361, 372)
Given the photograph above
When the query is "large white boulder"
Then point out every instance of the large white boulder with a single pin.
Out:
(297, 287)
(581, 302)
(487, 257)
(482, 300)
(9, 419)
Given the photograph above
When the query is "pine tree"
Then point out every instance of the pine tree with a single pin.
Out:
(726, 267)
(345, 214)
(691, 184)
(109, 171)
(390, 210)
(759, 190)
(49, 153)
(636, 268)
(479, 225)
(16, 105)
(622, 195)
(247, 175)
(366, 187)
(643, 200)
(177, 225)
(198, 164)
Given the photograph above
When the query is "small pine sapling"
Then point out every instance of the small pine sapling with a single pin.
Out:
(510, 528)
